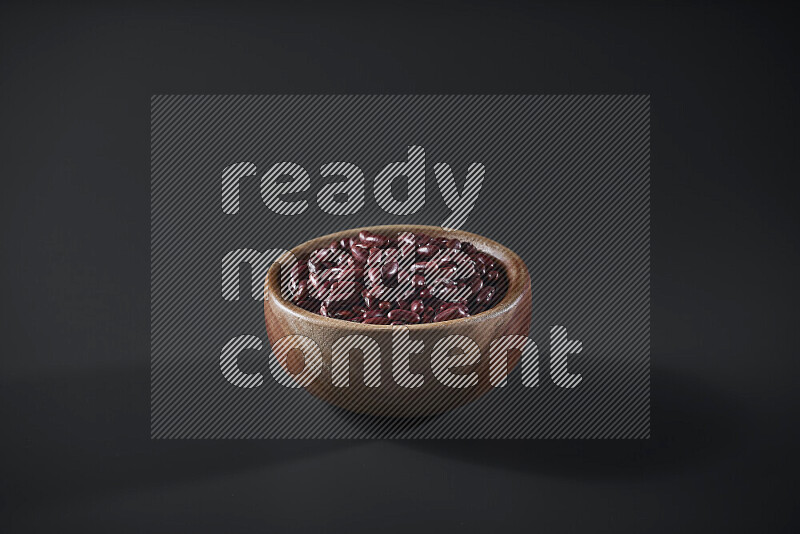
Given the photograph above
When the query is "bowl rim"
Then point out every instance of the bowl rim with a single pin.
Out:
(516, 287)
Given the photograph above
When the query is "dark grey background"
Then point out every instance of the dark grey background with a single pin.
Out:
(567, 187)
(75, 88)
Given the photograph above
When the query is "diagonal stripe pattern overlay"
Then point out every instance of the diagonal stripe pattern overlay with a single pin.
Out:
(566, 186)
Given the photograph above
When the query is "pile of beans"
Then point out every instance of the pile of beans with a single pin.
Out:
(407, 279)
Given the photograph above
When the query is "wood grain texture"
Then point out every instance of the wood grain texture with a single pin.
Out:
(512, 315)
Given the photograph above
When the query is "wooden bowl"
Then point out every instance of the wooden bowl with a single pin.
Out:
(512, 315)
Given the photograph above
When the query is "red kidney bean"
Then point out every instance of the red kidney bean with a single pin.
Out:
(449, 291)
(390, 269)
(449, 314)
(405, 239)
(447, 270)
(372, 240)
(454, 244)
(485, 296)
(318, 255)
(403, 315)
(462, 305)
(385, 306)
(485, 259)
(369, 301)
(318, 282)
(374, 274)
(342, 294)
(418, 280)
(297, 273)
(360, 253)
(492, 275)
(314, 266)
(373, 313)
(302, 290)
(421, 266)
(417, 307)
(324, 275)
(427, 251)
(374, 256)
(476, 285)
(403, 275)
(377, 241)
